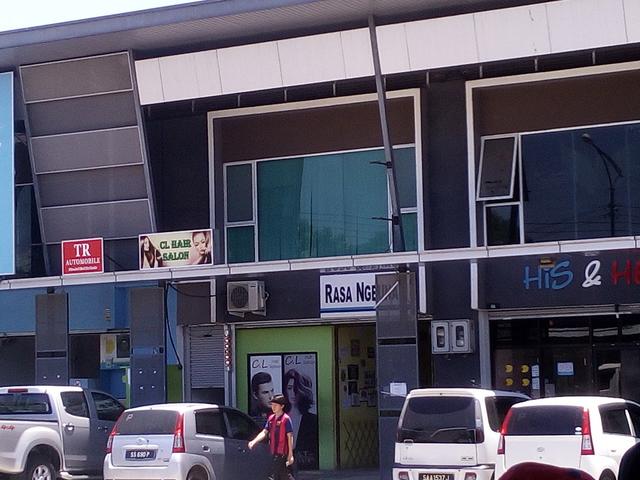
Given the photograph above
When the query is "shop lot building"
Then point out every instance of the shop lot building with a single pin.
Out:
(515, 129)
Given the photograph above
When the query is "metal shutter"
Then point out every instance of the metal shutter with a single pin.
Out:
(206, 357)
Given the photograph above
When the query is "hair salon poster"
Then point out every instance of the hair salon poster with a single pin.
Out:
(175, 249)
(295, 376)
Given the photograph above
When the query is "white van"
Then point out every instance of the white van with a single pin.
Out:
(588, 433)
(450, 433)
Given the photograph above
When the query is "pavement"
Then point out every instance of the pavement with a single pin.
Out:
(338, 475)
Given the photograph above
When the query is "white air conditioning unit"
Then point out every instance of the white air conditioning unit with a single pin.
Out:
(246, 296)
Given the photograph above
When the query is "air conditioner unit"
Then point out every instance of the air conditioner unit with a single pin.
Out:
(246, 296)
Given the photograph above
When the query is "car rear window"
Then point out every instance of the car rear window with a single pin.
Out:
(439, 420)
(545, 420)
(147, 422)
(24, 403)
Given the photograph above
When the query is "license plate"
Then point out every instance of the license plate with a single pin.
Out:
(435, 476)
(140, 454)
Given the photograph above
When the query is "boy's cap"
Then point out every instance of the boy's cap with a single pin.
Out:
(279, 399)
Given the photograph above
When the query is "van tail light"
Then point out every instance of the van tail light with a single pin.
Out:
(587, 442)
(503, 432)
(178, 435)
(114, 432)
(479, 435)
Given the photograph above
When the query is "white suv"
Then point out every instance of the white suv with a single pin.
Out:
(587, 433)
(450, 433)
(185, 441)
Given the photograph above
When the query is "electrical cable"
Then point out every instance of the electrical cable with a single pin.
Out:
(166, 322)
(190, 294)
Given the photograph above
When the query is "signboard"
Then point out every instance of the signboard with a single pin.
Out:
(352, 293)
(295, 376)
(82, 256)
(7, 212)
(175, 249)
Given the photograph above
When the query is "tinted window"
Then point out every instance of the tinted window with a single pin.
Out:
(241, 427)
(148, 422)
(634, 413)
(210, 423)
(614, 420)
(497, 408)
(547, 420)
(75, 404)
(24, 403)
(439, 420)
(107, 408)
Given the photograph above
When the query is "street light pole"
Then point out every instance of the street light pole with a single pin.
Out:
(607, 161)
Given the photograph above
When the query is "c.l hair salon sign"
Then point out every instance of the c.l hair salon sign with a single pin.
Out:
(569, 279)
(352, 293)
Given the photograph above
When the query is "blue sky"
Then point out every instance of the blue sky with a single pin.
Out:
(29, 13)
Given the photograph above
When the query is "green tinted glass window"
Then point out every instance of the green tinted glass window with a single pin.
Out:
(240, 245)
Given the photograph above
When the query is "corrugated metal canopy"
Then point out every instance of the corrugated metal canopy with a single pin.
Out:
(216, 23)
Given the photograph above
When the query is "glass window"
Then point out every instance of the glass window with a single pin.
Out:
(241, 427)
(239, 193)
(75, 403)
(614, 420)
(240, 244)
(210, 422)
(24, 403)
(148, 422)
(439, 420)
(548, 420)
(497, 168)
(581, 183)
(410, 231)
(107, 408)
(634, 413)
(503, 224)
(405, 163)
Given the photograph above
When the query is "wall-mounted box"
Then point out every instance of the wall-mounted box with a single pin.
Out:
(451, 336)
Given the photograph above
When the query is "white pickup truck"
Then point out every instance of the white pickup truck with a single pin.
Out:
(48, 432)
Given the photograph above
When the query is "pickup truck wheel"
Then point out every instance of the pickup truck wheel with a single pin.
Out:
(39, 468)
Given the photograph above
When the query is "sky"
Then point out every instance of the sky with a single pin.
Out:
(30, 13)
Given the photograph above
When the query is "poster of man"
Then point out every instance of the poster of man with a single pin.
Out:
(265, 380)
(300, 389)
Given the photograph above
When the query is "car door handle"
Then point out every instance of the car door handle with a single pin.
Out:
(205, 448)
(69, 427)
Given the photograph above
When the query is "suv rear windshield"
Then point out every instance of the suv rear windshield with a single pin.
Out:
(24, 403)
(439, 420)
(545, 420)
(497, 408)
(147, 422)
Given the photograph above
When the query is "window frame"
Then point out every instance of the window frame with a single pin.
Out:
(255, 204)
(514, 162)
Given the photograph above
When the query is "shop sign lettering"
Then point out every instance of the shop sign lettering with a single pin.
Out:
(595, 274)
(352, 293)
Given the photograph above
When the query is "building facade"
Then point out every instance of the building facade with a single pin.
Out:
(513, 128)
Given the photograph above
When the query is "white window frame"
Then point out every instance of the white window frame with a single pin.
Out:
(514, 160)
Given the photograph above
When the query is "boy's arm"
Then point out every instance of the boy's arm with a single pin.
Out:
(290, 440)
(261, 436)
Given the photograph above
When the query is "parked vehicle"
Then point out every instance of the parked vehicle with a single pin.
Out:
(48, 432)
(588, 433)
(185, 441)
(451, 433)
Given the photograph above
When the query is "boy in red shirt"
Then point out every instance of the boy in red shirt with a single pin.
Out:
(279, 430)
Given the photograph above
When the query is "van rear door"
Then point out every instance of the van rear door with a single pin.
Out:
(550, 434)
(438, 431)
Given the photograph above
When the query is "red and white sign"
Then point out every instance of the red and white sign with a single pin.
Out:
(82, 256)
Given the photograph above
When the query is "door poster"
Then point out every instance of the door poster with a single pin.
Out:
(295, 376)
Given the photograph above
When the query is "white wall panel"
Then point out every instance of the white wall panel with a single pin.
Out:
(356, 48)
(316, 58)
(207, 73)
(440, 42)
(179, 81)
(149, 81)
(512, 33)
(392, 43)
(632, 15)
(249, 67)
(582, 24)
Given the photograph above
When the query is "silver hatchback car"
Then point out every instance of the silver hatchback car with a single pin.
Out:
(178, 441)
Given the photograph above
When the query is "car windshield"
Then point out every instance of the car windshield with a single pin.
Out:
(439, 420)
(546, 420)
(24, 403)
(147, 422)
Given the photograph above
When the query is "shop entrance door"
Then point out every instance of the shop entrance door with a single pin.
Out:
(617, 371)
